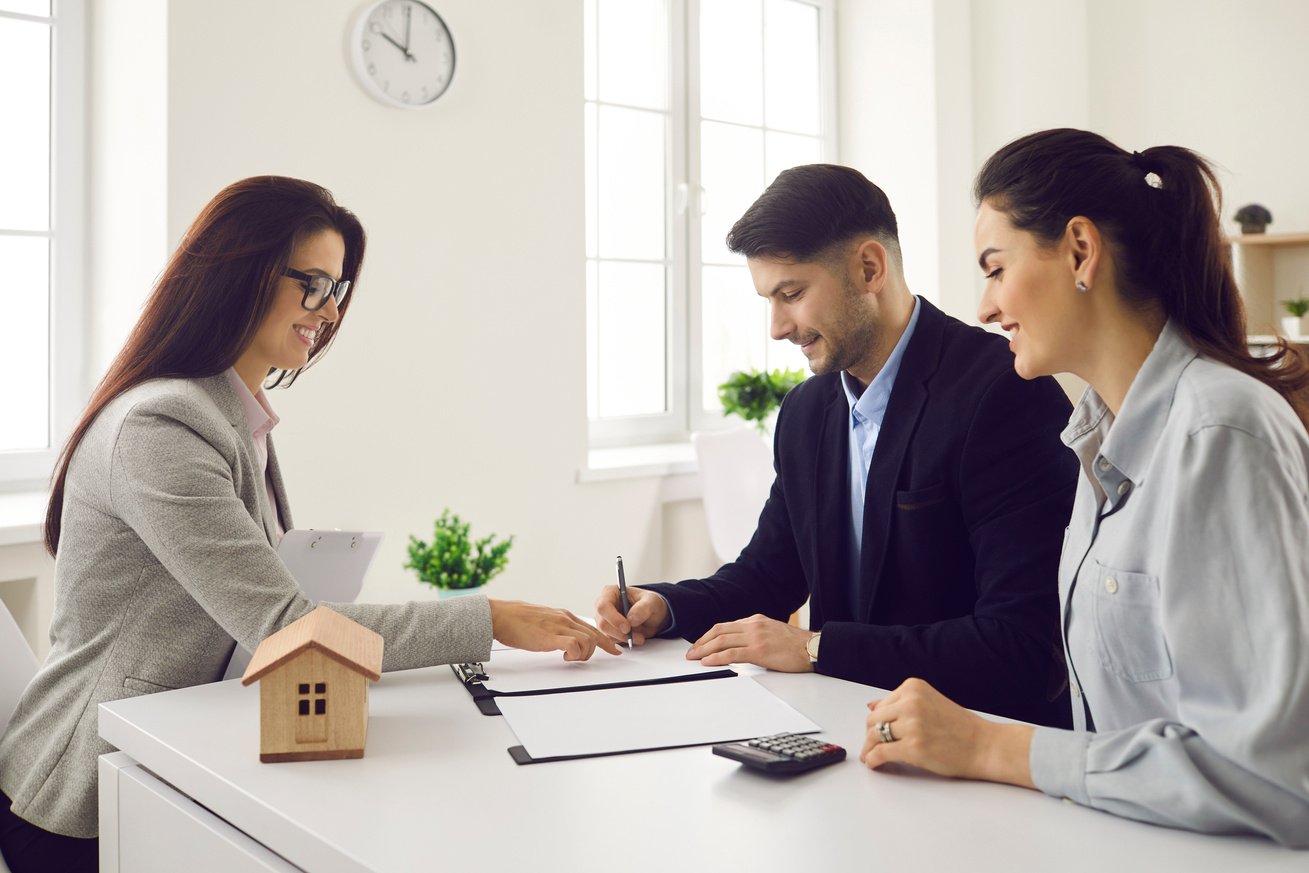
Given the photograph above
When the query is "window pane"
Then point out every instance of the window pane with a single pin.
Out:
(26, 7)
(791, 83)
(25, 108)
(592, 169)
(25, 343)
(632, 345)
(784, 150)
(735, 327)
(631, 174)
(592, 339)
(731, 60)
(732, 173)
(633, 52)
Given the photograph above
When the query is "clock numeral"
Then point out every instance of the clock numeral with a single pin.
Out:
(367, 45)
(405, 96)
(372, 69)
(375, 27)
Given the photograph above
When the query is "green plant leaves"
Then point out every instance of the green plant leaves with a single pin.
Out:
(452, 560)
(753, 395)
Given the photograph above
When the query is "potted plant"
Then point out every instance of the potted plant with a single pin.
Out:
(1291, 323)
(1253, 218)
(755, 395)
(452, 562)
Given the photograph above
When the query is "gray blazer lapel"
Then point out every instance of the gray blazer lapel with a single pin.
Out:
(251, 489)
(283, 507)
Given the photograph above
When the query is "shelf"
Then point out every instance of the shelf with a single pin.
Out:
(1269, 239)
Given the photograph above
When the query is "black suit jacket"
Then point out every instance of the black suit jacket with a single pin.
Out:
(968, 495)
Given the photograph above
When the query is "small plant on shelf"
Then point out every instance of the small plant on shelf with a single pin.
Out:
(453, 561)
(1253, 218)
(754, 395)
(1297, 307)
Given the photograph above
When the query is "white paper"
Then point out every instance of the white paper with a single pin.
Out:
(515, 670)
(649, 717)
(329, 565)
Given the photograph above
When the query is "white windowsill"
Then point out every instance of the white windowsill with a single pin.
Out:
(673, 463)
(21, 516)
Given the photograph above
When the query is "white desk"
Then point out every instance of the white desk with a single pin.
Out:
(436, 790)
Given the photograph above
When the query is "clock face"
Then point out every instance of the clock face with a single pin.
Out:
(402, 52)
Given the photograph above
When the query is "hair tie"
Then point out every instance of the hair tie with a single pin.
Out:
(1151, 178)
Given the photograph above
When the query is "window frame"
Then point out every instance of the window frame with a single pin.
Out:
(21, 470)
(683, 190)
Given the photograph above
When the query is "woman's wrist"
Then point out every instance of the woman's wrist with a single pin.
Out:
(1003, 754)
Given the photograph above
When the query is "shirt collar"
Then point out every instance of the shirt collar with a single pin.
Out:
(1126, 443)
(259, 416)
(871, 405)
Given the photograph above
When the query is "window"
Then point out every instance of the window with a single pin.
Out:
(692, 107)
(41, 100)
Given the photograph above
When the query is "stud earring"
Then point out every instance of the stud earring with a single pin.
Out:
(1081, 287)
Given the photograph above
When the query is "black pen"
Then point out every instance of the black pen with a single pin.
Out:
(622, 598)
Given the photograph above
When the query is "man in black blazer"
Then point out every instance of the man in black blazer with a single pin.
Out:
(919, 424)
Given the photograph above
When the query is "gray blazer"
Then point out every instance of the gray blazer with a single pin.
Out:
(166, 560)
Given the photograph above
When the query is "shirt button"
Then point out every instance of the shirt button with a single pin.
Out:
(1111, 585)
(1123, 488)
(1103, 464)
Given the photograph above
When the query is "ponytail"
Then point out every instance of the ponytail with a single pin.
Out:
(1160, 209)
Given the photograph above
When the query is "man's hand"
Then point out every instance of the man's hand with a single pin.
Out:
(646, 616)
(542, 629)
(755, 640)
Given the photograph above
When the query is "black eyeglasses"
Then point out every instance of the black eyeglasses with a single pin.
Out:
(318, 289)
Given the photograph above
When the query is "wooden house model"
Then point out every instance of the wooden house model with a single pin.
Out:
(313, 693)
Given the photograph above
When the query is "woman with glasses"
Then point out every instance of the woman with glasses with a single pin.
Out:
(1184, 580)
(168, 504)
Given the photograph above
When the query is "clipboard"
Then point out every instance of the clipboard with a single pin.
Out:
(329, 565)
(516, 673)
(473, 676)
(620, 721)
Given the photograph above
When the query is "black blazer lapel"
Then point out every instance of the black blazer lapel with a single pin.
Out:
(831, 476)
(908, 397)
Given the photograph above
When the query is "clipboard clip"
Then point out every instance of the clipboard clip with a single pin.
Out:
(471, 672)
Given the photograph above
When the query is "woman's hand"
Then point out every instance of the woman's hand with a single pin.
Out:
(930, 731)
(543, 629)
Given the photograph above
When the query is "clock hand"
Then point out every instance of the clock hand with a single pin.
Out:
(404, 51)
(409, 11)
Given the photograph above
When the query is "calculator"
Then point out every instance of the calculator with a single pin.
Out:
(782, 753)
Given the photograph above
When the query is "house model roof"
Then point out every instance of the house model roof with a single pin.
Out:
(331, 633)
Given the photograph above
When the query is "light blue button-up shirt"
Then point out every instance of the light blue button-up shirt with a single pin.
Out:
(1184, 586)
(867, 410)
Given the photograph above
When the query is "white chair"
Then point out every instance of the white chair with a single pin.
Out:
(17, 666)
(736, 473)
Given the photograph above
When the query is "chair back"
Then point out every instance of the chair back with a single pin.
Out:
(736, 474)
(17, 665)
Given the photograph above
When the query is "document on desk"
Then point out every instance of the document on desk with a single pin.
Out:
(518, 672)
(580, 724)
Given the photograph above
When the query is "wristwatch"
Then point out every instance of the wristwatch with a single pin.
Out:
(811, 646)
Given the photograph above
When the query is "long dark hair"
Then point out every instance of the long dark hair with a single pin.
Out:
(1159, 208)
(213, 295)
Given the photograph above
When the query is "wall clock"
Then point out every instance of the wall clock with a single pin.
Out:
(402, 53)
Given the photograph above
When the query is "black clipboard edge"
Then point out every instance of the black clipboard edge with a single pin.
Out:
(521, 756)
(484, 698)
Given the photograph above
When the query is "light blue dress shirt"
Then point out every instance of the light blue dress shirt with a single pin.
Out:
(867, 410)
(1184, 586)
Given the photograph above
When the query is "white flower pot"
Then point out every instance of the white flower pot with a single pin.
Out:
(1290, 327)
(447, 593)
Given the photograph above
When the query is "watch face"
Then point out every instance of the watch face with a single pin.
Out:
(403, 53)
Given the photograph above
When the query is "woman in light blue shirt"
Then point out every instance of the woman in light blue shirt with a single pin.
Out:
(1184, 579)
